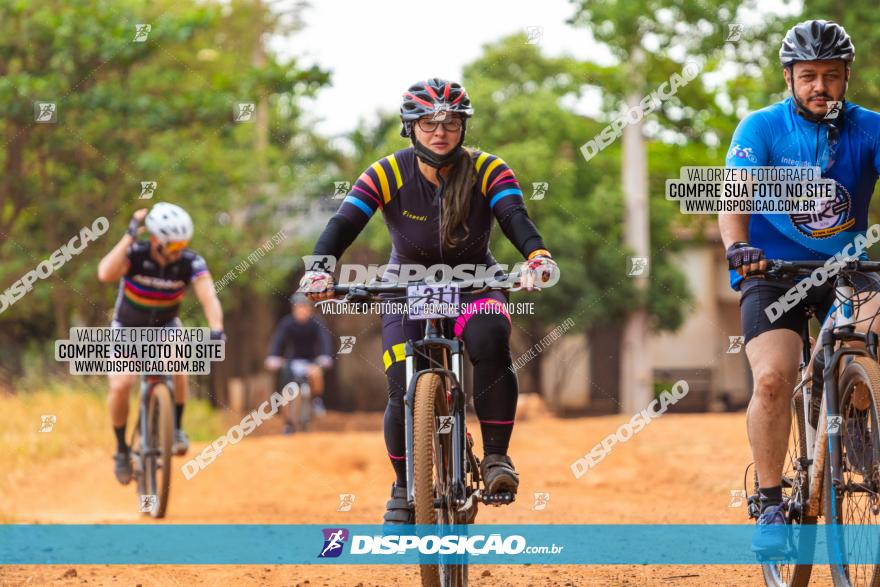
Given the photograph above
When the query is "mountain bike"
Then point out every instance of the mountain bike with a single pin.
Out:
(833, 463)
(299, 411)
(442, 471)
(151, 443)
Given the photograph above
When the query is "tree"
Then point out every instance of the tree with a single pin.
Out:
(521, 113)
(645, 36)
(161, 108)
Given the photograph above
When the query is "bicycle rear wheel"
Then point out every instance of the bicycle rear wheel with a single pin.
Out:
(299, 410)
(796, 488)
(432, 472)
(157, 448)
(305, 406)
(854, 507)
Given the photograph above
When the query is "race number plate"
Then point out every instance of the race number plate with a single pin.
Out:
(433, 301)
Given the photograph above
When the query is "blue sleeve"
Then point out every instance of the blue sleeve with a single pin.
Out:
(749, 146)
(877, 153)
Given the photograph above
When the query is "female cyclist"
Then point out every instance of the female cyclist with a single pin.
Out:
(438, 199)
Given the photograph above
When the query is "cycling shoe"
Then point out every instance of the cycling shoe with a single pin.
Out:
(122, 467)
(398, 509)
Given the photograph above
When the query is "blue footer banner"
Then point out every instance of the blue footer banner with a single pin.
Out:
(564, 544)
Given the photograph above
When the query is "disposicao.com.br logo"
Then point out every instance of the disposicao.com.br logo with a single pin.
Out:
(429, 544)
(334, 540)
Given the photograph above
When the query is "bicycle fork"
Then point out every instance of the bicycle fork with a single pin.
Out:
(452, 377)
(845, 326)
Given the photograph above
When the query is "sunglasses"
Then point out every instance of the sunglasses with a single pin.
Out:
(175, 246)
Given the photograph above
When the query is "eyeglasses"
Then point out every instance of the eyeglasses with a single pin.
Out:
(428, 125)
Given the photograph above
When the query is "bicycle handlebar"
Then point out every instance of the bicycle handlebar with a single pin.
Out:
(355, 291)
(780, 267)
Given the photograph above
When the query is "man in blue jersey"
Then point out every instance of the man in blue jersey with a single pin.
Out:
(813, 127)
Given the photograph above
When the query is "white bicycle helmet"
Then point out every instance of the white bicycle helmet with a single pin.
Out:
(169, 223)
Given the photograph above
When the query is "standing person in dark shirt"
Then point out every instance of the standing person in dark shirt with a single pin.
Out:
(301, 336)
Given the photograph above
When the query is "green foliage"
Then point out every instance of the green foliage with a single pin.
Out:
(520, 115)
(160, 110)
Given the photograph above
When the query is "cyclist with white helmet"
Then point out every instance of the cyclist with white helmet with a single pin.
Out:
(153, 276)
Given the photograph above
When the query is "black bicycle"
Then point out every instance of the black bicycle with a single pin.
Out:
(443, 474)
(151, 444)
(833, 462)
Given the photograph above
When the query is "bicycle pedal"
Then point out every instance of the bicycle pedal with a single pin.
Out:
(498, 499)
(754, 506)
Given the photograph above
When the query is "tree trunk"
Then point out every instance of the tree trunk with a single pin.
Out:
(605, 364)
(536, 382)
(50, 234)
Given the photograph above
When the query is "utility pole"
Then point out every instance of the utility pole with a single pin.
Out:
(636, 376)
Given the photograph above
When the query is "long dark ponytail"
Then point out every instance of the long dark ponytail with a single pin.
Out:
(457, 189)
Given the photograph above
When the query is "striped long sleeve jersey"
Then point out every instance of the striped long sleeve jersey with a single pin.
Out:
(412, 208)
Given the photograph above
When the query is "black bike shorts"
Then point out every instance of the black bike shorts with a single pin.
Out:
(397, 328)
(173, 323)
(758, 294)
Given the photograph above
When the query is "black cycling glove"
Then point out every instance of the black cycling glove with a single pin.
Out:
(133, 225)
(741, 253)
(218, 335)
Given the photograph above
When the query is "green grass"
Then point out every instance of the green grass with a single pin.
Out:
(82, 422)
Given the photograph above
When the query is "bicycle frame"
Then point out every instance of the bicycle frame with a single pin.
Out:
(435, 340)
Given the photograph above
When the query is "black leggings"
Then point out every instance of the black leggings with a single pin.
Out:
(487, 341)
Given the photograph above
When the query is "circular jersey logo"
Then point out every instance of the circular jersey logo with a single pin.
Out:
(829, 219)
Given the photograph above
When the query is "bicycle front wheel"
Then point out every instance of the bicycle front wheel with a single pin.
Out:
(796, 487)
(157, 448)
(432, 472)
(854, 507)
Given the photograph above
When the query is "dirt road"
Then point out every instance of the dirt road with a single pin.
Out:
(679, 469)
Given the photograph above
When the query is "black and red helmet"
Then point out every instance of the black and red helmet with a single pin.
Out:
(428, 98)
